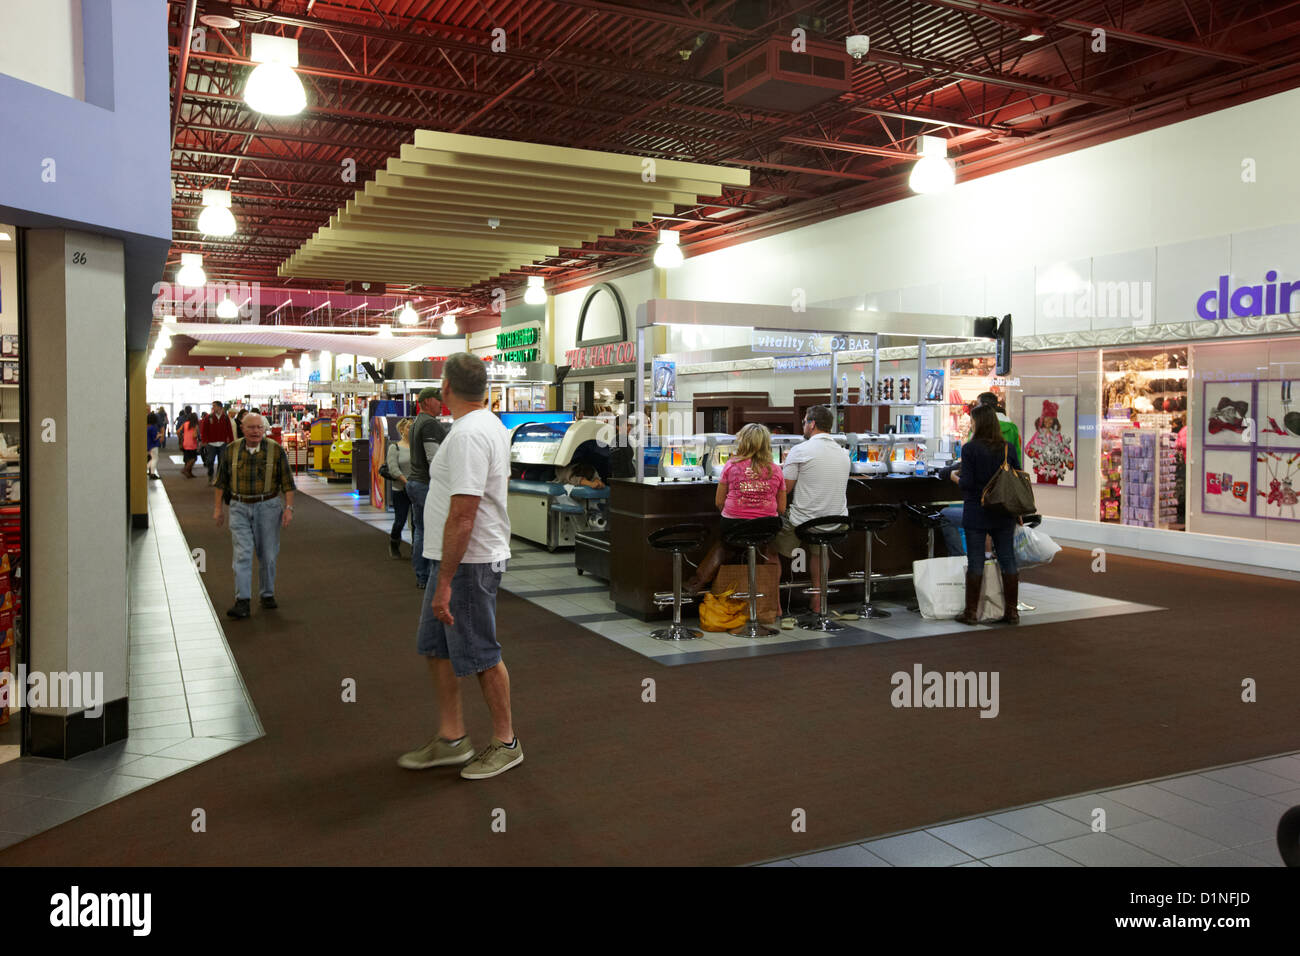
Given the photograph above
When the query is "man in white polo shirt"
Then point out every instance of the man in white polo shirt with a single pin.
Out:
(816, 479)
(468, 540)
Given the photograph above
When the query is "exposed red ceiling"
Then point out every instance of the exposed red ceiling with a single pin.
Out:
(615, 76)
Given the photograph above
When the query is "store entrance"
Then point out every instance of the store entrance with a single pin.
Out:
(1144, 438)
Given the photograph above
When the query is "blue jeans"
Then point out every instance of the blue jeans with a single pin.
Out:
(255, 528)
(401, 508)
(1004, 546)
(951, 529)
(417, 492)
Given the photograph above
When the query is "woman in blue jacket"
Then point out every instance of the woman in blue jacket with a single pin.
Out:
(981, 457)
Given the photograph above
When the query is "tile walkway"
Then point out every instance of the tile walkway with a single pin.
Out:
(188, 703)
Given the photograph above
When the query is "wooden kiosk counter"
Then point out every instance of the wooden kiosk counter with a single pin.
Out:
(638, 507)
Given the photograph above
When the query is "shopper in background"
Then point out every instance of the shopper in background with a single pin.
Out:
(215, 435)
(981, 457)
(750, 487)
(816, 478)
(468, 481)
(399, 470)
(239, 422)
(152, 441)
(255, 471)
(189, 438)
(951, 525)
(163, 420)
(427, 433)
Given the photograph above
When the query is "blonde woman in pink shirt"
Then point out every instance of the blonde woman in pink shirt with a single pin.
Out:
(751, 486)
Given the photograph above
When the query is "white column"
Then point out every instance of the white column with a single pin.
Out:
(77, 446)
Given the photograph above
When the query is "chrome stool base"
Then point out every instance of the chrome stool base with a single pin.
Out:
(815, 622)
(754, 629)
(675, 632)
(870, 612)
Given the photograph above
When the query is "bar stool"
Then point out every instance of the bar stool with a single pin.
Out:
(752, 535)
(870, 519)
(822, 533)
(676, 538)
(930, 518)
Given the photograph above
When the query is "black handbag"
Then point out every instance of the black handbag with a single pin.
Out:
(384, 472)
(1009, 491)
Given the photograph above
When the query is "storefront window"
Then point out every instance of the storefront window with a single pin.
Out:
(12, 644)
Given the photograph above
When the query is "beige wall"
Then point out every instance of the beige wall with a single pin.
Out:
(40, 43)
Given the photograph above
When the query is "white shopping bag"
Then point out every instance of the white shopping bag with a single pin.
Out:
(992, 605)
(1034, 547)
(940, 587)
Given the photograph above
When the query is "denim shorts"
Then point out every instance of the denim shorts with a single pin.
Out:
(471, 643)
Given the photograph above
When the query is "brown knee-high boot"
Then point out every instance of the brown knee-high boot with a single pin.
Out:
(1011, 597)
(974, 584)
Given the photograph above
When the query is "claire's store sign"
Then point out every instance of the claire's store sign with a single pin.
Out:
(1270, 298)
(598, 356)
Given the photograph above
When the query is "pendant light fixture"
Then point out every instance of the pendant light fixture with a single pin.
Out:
(449, 326)
(288, 365)
(226, 309)
(409, 316)
(273, 88)
(216, 218)
(535, 294)
(385, 332)
(669, 253)
(932, 172)
(191, 275)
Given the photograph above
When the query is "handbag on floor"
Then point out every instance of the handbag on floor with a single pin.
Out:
(992, 602)
(1034, 547)
(940, 587)
(735, 578)
(722, 612)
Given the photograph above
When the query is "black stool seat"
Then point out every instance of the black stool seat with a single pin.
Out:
(927, 516)
(755, 531)
(875, 517)
(678, 537)
(821, 533)
(831, 529)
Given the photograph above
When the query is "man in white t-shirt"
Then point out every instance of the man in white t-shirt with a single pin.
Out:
(816, 479)
(468, 543)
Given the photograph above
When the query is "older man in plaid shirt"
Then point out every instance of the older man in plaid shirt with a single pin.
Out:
(254, 470)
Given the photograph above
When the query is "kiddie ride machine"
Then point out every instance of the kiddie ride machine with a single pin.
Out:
(539, 507)
(331, 446)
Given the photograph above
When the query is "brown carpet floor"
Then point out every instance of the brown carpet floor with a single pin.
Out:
(710, 772)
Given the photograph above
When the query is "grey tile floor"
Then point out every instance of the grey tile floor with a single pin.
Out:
(1222, 817)
(187, 701)
(1219, 817)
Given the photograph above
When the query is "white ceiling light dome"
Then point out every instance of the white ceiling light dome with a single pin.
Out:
(932, 172)
(535, 294)
(449, 326)
(409, 316)
(385, 331)
(226, 309)
(191, 274)
(273, 87)
(668, 255)
(216, 218)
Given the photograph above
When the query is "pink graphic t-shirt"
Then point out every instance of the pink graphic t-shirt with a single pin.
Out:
(749, 494)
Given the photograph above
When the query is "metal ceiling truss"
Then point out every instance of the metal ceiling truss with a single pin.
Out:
(644, 79)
